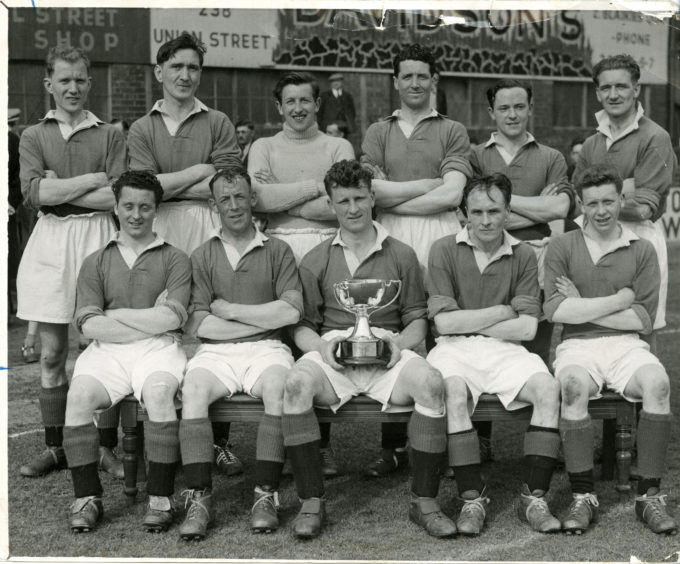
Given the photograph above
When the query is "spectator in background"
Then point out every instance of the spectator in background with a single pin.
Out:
(574, 152)
(337, 128)
(245, 135)
(336, 104)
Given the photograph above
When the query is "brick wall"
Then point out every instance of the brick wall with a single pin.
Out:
(128, 92)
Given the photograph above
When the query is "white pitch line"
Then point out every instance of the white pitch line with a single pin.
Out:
(29, 432)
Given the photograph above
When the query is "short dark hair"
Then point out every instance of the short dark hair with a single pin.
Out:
(123, 122)
(139, 180)
(415, 52)
(347, 174)
(296, 78)
(245, 123)
(623, 62)
(508, 83)
(231, 174)
(182, 41)
(486, 183)
(65, 53)
(598, 175)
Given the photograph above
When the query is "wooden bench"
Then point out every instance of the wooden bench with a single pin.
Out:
(617, 414)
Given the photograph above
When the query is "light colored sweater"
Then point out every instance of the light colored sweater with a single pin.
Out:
(299, 162)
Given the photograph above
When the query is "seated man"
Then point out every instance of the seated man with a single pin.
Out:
(602, 283)
(132, 297)
(245, 290)
(362, 249)
(484, 299)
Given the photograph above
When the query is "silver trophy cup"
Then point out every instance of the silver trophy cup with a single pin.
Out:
(363, 298)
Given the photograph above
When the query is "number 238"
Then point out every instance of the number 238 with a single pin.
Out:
(215, 13)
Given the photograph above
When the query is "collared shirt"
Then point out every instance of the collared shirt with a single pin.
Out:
(406, 126)
(233, 255)
(505, 154)
(352, 260)
(481, 257)
(604, 125)
(170, 122)
(623, 240)
(128, 254)
(66, 130)
(337, 92)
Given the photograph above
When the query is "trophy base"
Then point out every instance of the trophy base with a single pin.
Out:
(363, 353)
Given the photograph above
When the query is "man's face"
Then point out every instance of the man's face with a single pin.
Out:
(136, 210)
(180, 75)
(414, 84)
(511, 111)
(69, 85)
(298, 106)
(336, 84)
(244, 135)
(487, 214)
(353, 208)
(617, 93)
(233, 201)
(333, 130)
(601, 207)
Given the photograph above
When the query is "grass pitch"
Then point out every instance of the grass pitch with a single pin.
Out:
(367, 517)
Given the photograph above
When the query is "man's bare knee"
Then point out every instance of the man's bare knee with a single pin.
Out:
(656, 386)
(574, 388)
(430, 391)
(547, 392)
(159, 394)
(456, 394)
(300, 386)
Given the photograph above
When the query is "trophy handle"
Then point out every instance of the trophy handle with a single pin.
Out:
(387, 284)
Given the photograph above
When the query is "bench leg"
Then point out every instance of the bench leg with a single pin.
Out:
(129, 424)
(624, 445)
(608, 448)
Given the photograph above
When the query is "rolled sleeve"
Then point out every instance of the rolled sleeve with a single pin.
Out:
(457, 150)
(32, 169)
(116, 157)
(201, 290)
(413, 304)
(288, 286)
(312, 316)
(646, 286)
(440, 280)
(373, 147)
(225, 148)
(440, 304)
(140, 154)
(654, 173)
(90, 299)
(555, 266)
(526, 305)
(527, 287)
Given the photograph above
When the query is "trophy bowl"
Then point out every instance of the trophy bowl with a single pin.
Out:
(362, 298)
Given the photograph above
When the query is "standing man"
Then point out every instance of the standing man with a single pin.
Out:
(362, 249)
(132, 300)
(640, 150)
(245, 134)
(183, 142)
(419, 163)
(484, 298)
(337, 104)
(245, 291)
(602, 284)
(288, 171)
(538, 173)
(68, 162)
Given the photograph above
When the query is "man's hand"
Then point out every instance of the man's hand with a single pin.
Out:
(566, 287)
(221, 308)
(10, 209)
(378, 173)
(627, 297)
(205, 169)
(53, 175)
(395, 353)
(265, 177)
(162, 298)
(327, 351)
(550, 189)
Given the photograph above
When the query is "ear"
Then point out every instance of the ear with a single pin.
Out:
(395, 81)
(490, 110)
(47, 83)
(158, 73)
(636, 90)
(279, 107)
(318, 104)
(253, 197)
(213, 205)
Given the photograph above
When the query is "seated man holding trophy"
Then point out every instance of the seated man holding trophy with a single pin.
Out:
(362, 270)
(484, 300)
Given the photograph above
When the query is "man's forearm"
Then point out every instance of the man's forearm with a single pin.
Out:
(306, 339)
(517, 221)
(109, 330)
(272, 315)
(154, 320)
(215, 328)
(174, 183)
(464, 321)
(318, 209)
(198, 191)
(585, 310)
(523, 328)
(541, 209)
(390, 193)
(441, 199)
(632, 211)
(625, 320)
(99, 199)
(54, 191)
(275, 198)
(412, 335)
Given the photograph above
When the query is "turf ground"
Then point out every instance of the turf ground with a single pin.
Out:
(367, 518)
